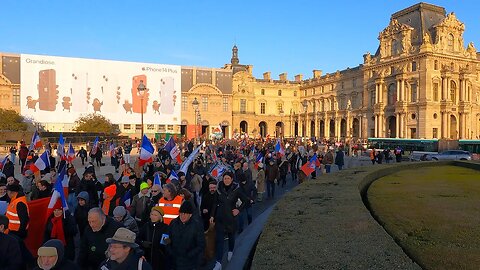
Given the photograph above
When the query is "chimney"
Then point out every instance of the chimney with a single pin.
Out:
(298, 78)
(283, 77)
(267, 76)
(317, 73)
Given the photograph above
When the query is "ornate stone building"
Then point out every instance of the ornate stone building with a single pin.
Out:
(422, 82)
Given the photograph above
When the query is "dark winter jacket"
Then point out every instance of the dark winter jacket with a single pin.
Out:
(187, 243)
(81, 213)
(248, 188)
(69, 229)
(10, 255)
(227, 201)
(91, 187)
(130, 263)
(149, 240)
(271, 172)
(62, 262)
(93, 244)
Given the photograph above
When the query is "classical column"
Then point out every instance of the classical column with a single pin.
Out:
(376, 93)
(381, 126)
(400, 124)
(462, 89)
(376, 126)
(397, 125)
(398, 89)
(327, 128)
(443, 89)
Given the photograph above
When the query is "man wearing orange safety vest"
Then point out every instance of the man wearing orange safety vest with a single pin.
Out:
(17, 211)
(170, 203)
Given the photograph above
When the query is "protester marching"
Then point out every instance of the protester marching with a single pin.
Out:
(172, 206)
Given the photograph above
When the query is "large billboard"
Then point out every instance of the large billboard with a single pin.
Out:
(60, 89)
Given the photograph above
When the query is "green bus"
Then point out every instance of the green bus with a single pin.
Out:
(425, 145)
(472, 146)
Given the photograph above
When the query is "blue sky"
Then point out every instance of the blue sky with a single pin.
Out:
(278, 36)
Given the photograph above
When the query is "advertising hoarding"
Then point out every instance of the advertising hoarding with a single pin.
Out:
(59, 90)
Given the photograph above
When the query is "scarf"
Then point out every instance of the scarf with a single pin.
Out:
(57, 229)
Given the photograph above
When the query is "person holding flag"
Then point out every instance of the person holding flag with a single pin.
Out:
(310, 166)
(173, 150)
(60, 223)
(36, 141)
(61, 148)
(41, 163)
(71, 153)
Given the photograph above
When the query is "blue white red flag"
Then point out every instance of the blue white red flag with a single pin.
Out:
(61, 147)
(36, 141)
(309, 167)
(112, 149)
(279, 148)
(41, 163)
(71, 153)
(146, 151)
(258, 160)
(157, 180)
(58, 194)
(173, 176)
(189, 160)
(95, 146)
(127, 198)
(173, 150)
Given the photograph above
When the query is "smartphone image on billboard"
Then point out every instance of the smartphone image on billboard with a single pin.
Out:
(79, 91)
(136, 97)
(167, 95)
(111, 93)
(47, 90)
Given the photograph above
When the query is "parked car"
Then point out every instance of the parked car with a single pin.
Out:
(451, 155)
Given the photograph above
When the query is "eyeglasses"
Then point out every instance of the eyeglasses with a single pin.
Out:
(155, 191)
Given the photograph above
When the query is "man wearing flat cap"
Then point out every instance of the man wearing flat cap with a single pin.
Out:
(122, 252)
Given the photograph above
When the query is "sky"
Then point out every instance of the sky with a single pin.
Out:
(277, 36)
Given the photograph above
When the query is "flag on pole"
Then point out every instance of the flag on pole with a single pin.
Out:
(127, 198)
(309, 167)
(157, 180)
(61, 147)
(71, 153)
(58, 194)
(94, 146)
(112, 149)
(36, 141)
(41, 163)
(173, 176)
(172, 148)
(258, 160)
(279, 148)
(146, 151)
(189, 160)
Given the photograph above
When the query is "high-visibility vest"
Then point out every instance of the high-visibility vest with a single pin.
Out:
(171, 209)
(12, 215)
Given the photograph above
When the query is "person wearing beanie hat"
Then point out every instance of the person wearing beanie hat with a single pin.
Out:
(62, 226)
(170, 202)
(139, 205)
(51, 256)
(90, 184)
(110, 200)
(121, 215)
(81, 211)
(186, 239)
(150, 237)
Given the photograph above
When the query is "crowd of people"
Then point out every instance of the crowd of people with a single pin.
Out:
(171, 213)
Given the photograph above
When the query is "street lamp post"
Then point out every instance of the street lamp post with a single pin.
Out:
(305, 106)
(141, 92)
(281, 122)
(195, 107)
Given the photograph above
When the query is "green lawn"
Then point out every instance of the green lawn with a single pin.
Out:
(433, 213)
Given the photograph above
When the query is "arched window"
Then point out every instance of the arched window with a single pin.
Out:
(453, 92)
(392, 94)
(372, 97)
(450, 42)
(435, 91)
(435, 65)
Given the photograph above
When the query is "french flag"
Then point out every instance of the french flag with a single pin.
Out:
(146, 151)
(279, 148)
(58, 194)
(173, 176)
(36, 141)
(258, 160)
(172, 148)
(61, 147)
(127, 198)
(112, 149)
(309, 167)
(95, 146)
(71, 153)
(157, 180)
(42, 162)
